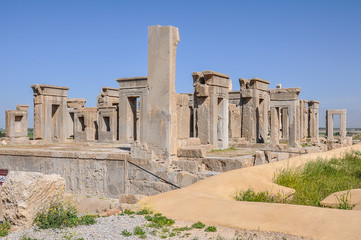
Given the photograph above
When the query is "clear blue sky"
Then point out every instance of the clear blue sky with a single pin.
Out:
(85, 45)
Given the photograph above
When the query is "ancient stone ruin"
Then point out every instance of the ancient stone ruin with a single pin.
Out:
(144, 138)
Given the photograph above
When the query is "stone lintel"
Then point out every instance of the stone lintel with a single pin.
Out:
(284, 94)
(254, 83)
(336, 111)
(109, 91)
(49, 90)
(22, 107)
(133, 82)
(208, 74)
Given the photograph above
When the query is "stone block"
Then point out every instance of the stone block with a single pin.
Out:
(25, 194)
(260, 158)
(191, 152)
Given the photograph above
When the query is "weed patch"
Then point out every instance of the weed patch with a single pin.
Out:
(4, 229)
(60, 216)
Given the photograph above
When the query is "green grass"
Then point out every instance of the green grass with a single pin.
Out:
(126, 233)
(318, 179)
(210, 229)
(224, 150)
(60, 216)
(4, 229)
(198, 225)
(314, 181)
(251, 196)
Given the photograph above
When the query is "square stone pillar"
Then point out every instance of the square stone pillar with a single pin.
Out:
(285, 123)
(304, 112)
(50, 112)
(313, 129)
(275, 126)
(161, 104)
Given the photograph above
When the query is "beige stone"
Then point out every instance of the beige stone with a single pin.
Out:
(25, 194)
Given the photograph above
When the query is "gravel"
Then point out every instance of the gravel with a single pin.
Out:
(109, 228)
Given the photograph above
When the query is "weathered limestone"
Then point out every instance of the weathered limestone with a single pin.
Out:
(25, 194)
(329, 123)
(254, 109)
(73, 104)
(285, 98)
(304, 120)
(211, 104)
(183, 116)
(107, 131)
(50, 112)
(161, 133)
(85, 124)
(313, 128)
(284, 122)
(109, 97)
(16, 124)
(133, 94)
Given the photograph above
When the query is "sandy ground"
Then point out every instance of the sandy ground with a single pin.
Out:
(211, 201)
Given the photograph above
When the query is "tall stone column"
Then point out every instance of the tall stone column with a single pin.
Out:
(294, 124)
(343, 124)
(274, 126)
(285, 126)
(313, 129)
(161, 104)
(329, 125)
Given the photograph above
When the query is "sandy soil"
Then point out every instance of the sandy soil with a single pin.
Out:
(211, 201)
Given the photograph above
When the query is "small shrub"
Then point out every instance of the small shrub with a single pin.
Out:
(211, 229)
(344, 202)
(59, 216)
(128, 212)
(126, 233)
(198, 225)
(159, 221)
(144, 211)
(138, 231)
(181, 229)
(251, 196)
(4, 229)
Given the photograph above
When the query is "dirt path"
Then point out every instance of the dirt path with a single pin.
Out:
(211, 202)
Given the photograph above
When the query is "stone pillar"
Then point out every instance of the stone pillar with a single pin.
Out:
(329, 125)
(343, 124)
(50, 112)
(184, 116)
(303, 120)
(274, 126)
(285, 125)
(161, 105)
(107, 132)
(313, 125)
(294, 124)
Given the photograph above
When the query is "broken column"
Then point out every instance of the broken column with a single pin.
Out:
(50, 112)
(161, 134)
(313, 129)
(16, 124)
(288, 98)
(211, 103)
(132, 112)
(254, 109)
